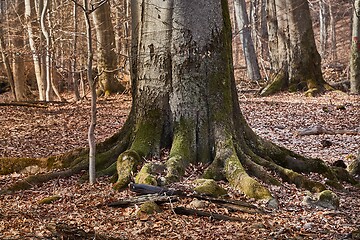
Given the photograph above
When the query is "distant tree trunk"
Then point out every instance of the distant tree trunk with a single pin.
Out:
(324, 23)
(29, 17)
(243, 25)
(22, 91)
(45, 32)
(75, 78)
(355, 51)
(296, 64)
(332, 33)
(106, 50)
(6, 62)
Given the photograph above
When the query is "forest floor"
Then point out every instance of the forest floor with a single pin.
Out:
(57, 128)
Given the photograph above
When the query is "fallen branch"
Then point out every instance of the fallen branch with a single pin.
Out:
(317, 130)
(23, 104)
(159, 199)
(194, 212)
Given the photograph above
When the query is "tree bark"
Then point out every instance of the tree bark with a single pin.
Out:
(355, 51)
(243, 25)
(6, 62)
(29, 17)
(296, 62)
(106, 50)
(22, 91)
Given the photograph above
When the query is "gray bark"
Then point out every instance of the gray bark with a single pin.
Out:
(6, 62)
(296, 64)
(75, 78)
(106, 49)
(324, 23)
(91, 131)
(29, 17)
(355, 51)
(21, 89)
(243, 25)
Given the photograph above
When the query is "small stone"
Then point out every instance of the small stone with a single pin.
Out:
(273, 203)
(209, 187)
(307, 226)
(197, 204)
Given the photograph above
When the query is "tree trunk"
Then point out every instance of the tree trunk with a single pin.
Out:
(29, 17)
(22, 91)
(6, 62)
(106, 55)
(185, 99)
(296, 62)
(243, 25)
(324, 23)
(75, 77)
(355, 51)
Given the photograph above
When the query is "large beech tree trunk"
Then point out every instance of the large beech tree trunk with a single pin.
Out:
(296, 63)
(185, 99)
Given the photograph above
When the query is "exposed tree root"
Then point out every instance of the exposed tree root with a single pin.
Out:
(244, 160)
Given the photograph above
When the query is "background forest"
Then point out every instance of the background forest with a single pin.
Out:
(47, 59)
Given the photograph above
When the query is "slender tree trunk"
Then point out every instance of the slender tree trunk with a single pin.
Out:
(333, 33)
(48, 50)
(91, 132)
(324, 23)
(243, 25)
(355, 51)
(29, 17)
(75, 78)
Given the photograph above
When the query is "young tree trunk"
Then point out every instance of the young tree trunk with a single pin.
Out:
(296, 64)
(243, 25)
(75, 78)
(106, 55)
(355, 51)
(91, 132)
(29, 18)
(324, 23)
(46, 34)
(333, 33)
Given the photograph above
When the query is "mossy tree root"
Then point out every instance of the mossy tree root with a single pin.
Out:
(74, 162)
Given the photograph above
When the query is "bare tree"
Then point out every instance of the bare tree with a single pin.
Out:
(243, 25)
(355, 51)
(106, 50)
(296, 63)
(30, 18)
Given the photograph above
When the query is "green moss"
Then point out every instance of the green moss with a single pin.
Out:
(126, 165)
(145, 176)
(149, 207)
(209, 187)
(238, 178)
(277, 84)
(147, 133)
(10, 165)
(48, 200)
(175, 169)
